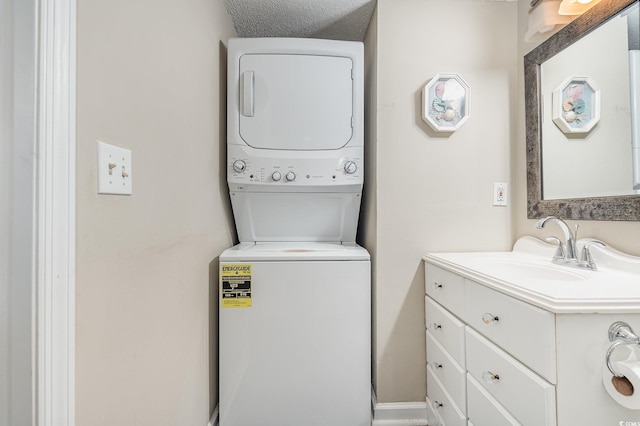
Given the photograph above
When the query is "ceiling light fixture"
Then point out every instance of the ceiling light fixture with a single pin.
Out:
(543, 19)
(576, 7)
(547, 16)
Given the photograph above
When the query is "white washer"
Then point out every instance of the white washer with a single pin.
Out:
(295, 338)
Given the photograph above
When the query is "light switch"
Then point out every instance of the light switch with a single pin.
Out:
(114, 170)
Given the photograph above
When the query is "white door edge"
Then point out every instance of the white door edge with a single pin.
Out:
(56, 185)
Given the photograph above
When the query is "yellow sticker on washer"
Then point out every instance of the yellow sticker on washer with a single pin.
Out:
(236, 285)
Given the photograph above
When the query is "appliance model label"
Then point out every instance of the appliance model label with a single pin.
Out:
(236, 285)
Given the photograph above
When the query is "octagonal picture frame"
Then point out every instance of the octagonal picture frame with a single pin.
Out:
(445, 102)
(575, 106)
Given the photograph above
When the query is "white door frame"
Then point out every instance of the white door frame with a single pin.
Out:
(56, 186)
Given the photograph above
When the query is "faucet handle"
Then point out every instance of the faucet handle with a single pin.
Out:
(560, 250)
(592, 242)
(586, 254)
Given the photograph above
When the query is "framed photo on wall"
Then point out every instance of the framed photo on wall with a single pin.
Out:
(445, 102)
(575, 106)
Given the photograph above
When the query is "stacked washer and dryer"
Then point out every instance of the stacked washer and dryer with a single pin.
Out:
(295, 295)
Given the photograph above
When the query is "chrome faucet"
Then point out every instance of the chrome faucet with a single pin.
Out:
(569, 247)
(566, 253)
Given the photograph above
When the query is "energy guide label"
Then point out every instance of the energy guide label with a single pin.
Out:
(236, 285)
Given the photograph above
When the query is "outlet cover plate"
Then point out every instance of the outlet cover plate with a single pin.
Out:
(114, 170)
(500, 194)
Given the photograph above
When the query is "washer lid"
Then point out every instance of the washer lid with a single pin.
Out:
(298, 251)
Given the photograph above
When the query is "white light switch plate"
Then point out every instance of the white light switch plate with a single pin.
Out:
(114, 170)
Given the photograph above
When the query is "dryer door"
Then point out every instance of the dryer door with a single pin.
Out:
(295, 102)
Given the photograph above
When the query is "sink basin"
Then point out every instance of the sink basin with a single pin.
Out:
(538, 271)
(528, 274)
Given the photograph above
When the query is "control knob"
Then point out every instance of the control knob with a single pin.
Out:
(350, 167)
(290, 176)
(276, 176)
(239, 166)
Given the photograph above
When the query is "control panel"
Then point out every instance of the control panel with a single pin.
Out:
(330, 170)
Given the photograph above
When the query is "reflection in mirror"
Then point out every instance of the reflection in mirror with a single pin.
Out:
(596, 163)
(583, 173)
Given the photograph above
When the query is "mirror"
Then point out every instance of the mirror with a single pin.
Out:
(578, 120)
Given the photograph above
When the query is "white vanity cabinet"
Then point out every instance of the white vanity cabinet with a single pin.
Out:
(467, 371)
(494, 358)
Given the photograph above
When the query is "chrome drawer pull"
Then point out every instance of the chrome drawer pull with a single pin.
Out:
(435, 326)
(437, 285)
(489, 318)
(437, 404)
(490, 377)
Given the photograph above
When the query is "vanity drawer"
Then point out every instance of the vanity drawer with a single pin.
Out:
(448, 371)
(514, 380)
(433, 418)
(442, 403)
(445, 287)
(483, 409)
(446, 329)
(523, 330)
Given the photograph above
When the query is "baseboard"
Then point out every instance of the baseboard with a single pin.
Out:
(384, 413)
(398, 413)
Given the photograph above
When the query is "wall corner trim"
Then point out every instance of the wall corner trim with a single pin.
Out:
(56, 220)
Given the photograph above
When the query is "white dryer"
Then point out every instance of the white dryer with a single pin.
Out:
(295, 138)
(295, 304)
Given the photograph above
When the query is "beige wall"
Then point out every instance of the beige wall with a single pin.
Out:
(150, 79)
(434, 191)
(621, 235)
(368, 216)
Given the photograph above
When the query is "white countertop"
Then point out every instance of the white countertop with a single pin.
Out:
(527, 273)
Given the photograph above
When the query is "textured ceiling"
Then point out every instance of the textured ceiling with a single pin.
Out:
(330, 19)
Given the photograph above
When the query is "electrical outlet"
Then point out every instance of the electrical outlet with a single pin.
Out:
(500, 194)
(114, 170)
